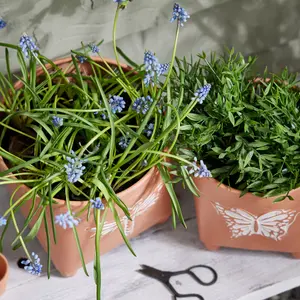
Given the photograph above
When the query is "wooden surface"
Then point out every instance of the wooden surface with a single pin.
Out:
(243, 275)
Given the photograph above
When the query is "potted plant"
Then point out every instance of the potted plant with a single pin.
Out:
(85, 143)
(246, 136)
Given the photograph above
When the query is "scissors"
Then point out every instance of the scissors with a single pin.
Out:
(164, 277)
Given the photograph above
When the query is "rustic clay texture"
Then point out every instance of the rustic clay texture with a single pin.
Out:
(3, 273)
(215, 233)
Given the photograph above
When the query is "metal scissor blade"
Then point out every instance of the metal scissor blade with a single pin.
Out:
(152, 272)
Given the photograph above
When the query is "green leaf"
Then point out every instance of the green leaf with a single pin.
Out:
(32, 233)
(217, 150)
(252, 169)
(270, 186)
(119, 225)
(281, 180)
(279, 199)
(292, 148)
(48, 247)
(231, 118)
(258, 144)
(248, 158)
(266, 91)
(254, 184)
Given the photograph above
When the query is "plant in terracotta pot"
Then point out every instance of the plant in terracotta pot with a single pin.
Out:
(84, 144)
(245, 136)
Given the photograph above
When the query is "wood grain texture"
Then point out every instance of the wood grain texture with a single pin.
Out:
(243, 275)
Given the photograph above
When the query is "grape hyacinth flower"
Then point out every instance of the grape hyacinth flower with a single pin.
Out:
(124, 142)
(57, 121)
(148, 79)
(81, 58)
(34, 266)
(3, 221)
(202, 93)
(28, 45)
(153, 68)
(66, 220)
(149, 129)
(142, 105)
(151, 62)
(97, 203)
(2, 24)
(179, 14)
(163, 68)
(117, 104)
(94, 48)
(74, 168)
(199, 171)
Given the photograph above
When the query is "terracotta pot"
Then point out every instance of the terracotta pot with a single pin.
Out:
(250, 222)
(148, 202)
(3, 273)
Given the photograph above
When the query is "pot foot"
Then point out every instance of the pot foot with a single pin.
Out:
(214, 248)
(296, 255)
(67, 274)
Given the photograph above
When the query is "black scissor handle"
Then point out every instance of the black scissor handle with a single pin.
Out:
(176, 295)
(188, 296)
(191, 273)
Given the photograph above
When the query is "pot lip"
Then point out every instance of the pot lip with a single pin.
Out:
(127, 191)
(6, 265)
(77, 203)
(67, 59)
(235, 191)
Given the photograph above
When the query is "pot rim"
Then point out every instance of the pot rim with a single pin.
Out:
(77, 203)
(236, 191)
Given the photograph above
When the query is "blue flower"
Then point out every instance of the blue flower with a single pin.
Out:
(33, 266)
(81, 58)
(151, 62)
(179, 14)
(117, 104)
(94, 48)
(148, 79)
(153, 68)
(103, 116)
(27, 45)
(199, 171)
(3, 221)
(119, 1)
(144, 163)
(57, 121)
(74, 168)
(163, 68)
(2, 24)
(202, 93)
(66, 220)
(142, 105)
(124, 142)
(149, 129)
(97, 203)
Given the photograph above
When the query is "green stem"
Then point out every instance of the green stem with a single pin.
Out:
(16, 225)
(115, 44)
(173, 57)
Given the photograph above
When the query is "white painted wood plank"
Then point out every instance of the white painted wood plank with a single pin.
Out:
(243, 275)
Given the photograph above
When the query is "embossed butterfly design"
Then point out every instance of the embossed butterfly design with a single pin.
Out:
(138, 209)
(274, 224)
